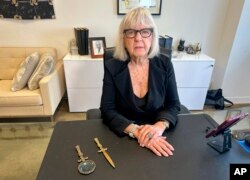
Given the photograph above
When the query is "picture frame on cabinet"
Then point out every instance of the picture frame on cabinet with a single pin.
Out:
(97, 46)
(154, 6)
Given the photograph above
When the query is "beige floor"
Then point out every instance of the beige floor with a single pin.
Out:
(23, 145)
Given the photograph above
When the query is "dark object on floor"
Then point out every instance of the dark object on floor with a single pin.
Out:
(247, 140)
(215, 98)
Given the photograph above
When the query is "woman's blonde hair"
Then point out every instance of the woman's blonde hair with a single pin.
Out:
(134, 17)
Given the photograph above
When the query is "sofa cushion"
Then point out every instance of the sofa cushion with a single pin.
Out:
(24, 72)
(24, 97)
(44, 68)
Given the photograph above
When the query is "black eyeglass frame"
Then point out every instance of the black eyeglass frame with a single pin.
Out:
(140, 31)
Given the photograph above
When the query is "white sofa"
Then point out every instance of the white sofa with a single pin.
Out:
(27, 103)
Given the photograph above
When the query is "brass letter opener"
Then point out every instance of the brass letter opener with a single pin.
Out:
(103, 150)
(85, 166)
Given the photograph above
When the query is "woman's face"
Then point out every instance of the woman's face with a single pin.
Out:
(138, 46)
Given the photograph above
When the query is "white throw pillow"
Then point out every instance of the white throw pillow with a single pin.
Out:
(44, 68)
(24, 72)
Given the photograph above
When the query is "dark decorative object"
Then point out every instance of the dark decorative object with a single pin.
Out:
(181, 46)
(27, 9)
(82, 36)
(123, 6)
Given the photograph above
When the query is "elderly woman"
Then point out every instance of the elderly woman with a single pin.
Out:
(139, 95)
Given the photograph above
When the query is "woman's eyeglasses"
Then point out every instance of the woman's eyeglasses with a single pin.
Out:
(131, 33)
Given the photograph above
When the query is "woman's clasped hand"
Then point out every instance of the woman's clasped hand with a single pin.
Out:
(150, 136)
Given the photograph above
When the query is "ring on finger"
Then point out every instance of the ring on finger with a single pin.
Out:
(150, 135)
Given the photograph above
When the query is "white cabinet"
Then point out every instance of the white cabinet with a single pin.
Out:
(193, 75)
(84, 77)
(84, 82)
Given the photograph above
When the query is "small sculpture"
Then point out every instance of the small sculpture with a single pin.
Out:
(190, 49)
(181, 45)
(198, 48)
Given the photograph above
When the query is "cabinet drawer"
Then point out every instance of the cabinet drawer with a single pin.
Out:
(192, 98)
(81, 100)
(83, 74)
(193, 74)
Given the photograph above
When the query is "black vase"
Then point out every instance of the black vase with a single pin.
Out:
(181, 46)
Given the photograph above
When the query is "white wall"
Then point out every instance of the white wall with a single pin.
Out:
(192, 20)
(236, 84)
(98, 16)
(226, 41)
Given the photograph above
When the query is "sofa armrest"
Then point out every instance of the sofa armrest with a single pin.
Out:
(52, 88)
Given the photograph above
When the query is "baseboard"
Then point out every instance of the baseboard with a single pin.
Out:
(239, 100)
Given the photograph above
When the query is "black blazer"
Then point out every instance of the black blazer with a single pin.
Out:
(118, 105)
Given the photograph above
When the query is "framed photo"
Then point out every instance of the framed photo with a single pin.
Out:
(97, 46)
(154, 6)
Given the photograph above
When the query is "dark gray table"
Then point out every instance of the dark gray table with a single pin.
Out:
(193, 158)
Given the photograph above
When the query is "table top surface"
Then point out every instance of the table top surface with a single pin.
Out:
(192, 159)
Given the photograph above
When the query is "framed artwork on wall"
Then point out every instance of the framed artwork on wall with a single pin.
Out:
(97, 46)
(27, 9)
(154, 6)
